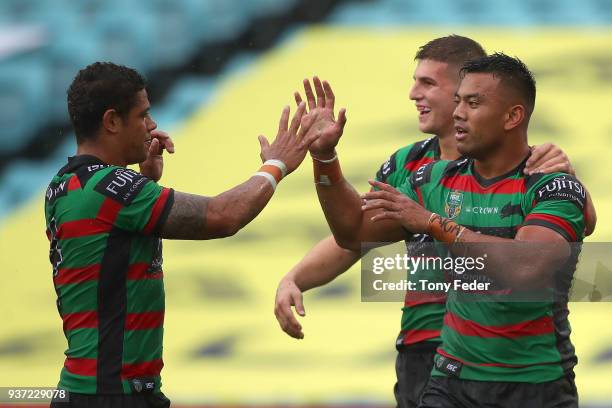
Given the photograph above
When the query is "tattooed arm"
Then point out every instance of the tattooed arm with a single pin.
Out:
(198, 217)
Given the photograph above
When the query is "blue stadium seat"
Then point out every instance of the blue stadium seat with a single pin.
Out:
(124, 36)
(23, 101)
(230, 18)
(20, 11)
(261, 8)
(64, 57)
(177, 30)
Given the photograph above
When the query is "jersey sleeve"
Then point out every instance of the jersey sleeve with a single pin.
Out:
(557, 201)
(411, 187)
(133, 202)
(387, 173)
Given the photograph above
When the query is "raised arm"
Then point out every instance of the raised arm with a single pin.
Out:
(198, 217)
(340, 202)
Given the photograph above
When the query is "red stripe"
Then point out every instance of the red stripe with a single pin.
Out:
(81, 366)
(416, 164)
(77, 275)
(416, 298)
(74, 183)
(420, 196)
(555, 220)
(543, 325)
(109, 210)
(157, 210)
(145, 320)
(82, 228)
(148, 368)
(469, 184)
(80, 320)
(138, 271)
(417, 336)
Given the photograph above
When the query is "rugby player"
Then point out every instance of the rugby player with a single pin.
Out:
(493, 353)
(436, 79)
(105, 223)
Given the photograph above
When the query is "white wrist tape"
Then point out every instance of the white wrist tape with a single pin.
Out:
(333, 159)
(268, 176)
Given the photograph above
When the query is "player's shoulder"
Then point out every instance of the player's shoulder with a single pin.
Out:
(433, 172)
(419, 148)
(416, 150)
(555, 186)
(119, 183)
(397, 165)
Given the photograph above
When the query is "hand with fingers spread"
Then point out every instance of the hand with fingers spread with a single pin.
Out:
(393, 205)
(548, 158)
(153, 166)
(329, 128)
(288, 295)
(292, 142)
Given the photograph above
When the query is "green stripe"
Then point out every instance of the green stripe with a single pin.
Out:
(423, 317)
(145, 295)
(78, 205)
(82, 343)
(142, 345)
(83, 251)
(142, 248)
(79, 297)
(480, 309)
(524, 350)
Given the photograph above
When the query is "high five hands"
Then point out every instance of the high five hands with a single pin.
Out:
(326, 125)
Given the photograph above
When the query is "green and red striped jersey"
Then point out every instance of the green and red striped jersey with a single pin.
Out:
(422, 316)
(103, 223)
(492, 338)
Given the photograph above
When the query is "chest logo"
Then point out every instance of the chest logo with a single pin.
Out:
(454, 200)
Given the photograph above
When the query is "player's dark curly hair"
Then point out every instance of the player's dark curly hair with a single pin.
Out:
(511, 71)
(452, 49)
(97, 88)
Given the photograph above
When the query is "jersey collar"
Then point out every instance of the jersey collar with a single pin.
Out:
(74, 162)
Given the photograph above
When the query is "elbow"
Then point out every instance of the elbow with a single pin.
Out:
(348, 244)
(591, 224)
(229, 228)
(535, 275)
(221, 226)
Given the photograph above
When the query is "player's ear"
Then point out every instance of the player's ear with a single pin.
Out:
(111, 121)
(514, 117)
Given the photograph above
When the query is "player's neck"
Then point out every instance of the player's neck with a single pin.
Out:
(100, 151)
(448, 145)
(503, 160)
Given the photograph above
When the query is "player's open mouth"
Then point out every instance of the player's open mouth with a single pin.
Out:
(460, 133)
(423, 110)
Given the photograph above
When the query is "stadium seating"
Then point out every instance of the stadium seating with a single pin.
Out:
(23, 102)
(148, 35)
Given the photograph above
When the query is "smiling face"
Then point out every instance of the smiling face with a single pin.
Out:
(434, 86)
(480, 115)
(135, 131)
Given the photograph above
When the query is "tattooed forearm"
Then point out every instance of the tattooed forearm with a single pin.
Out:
(197, 217)
(187, 218)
